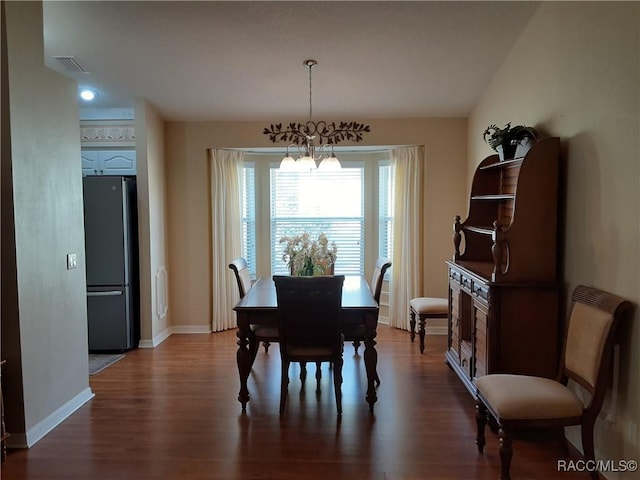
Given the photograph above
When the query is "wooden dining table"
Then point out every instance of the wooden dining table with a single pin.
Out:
(260, 307)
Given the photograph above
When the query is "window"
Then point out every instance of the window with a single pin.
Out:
(319, 201)
(249, 216)
(385, 209)
(353, 206)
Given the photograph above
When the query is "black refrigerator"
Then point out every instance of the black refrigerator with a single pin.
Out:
(111, 250)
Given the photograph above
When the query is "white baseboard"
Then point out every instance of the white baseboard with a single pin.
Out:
(30, 438)
(167, 332)
(436, 330)
(155, 341)
(429, 330)
(202, 329)
(191, 329)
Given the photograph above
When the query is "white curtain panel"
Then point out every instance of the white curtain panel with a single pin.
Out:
(408, 233)
(226, 233)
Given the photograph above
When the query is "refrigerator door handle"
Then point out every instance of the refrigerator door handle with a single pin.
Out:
(109, 293)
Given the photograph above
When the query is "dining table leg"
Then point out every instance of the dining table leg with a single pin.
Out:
(370, 357)
(243, 357)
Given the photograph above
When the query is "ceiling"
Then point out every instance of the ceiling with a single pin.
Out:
(238, 60)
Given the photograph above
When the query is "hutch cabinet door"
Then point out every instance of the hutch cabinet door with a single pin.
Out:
(481, 352)
(454, 326)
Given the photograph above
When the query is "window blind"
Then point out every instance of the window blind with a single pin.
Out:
(385, 210)
(249, 216)
(317, 202)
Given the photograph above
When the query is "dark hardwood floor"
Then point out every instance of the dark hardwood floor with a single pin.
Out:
(172, 413)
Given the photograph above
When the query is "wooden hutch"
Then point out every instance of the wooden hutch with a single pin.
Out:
(504, 288)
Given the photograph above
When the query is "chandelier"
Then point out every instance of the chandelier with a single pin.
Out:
(303, 135)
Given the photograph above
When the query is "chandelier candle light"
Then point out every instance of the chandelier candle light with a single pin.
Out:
(303, 135)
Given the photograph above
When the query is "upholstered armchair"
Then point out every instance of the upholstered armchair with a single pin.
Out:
(521, 401)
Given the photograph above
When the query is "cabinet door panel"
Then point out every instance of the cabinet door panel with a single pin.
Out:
(454, 325)
(90, 162)
(118, 162)
(109, 162)
(481, 353)
(466, 359)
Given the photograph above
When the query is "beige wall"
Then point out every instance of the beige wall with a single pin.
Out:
(574, 73)
(44, 317)
(189, 212)
(152, 215)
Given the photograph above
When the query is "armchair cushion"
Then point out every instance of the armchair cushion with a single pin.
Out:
(586, 337)
(527, 398)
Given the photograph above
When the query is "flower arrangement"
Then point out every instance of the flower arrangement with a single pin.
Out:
(309, 257)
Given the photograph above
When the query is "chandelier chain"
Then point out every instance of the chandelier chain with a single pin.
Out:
(310, 66)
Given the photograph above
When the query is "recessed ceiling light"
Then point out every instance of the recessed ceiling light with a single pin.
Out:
(87, 94)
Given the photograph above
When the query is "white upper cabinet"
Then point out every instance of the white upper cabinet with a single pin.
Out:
(108, 146)
(108, 162)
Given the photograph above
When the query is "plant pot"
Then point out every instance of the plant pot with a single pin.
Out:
(506, 152)
(523, 146)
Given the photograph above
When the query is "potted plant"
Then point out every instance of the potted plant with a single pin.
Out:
(506, 140)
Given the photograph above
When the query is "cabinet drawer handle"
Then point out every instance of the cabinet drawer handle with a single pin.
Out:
(109, 293)
(479, 292)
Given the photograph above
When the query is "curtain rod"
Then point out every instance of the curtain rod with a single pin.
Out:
(337, 149)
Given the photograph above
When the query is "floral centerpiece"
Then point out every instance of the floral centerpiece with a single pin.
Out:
(309, 257)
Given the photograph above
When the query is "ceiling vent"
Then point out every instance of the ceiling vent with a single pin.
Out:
(71, 64)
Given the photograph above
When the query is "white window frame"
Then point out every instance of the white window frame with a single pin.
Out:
(262, 163)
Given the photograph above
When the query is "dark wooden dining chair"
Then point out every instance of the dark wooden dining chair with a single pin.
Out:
(259, 333)
(309, 317)
(354, 332)
(382, 265)
(521, 401)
